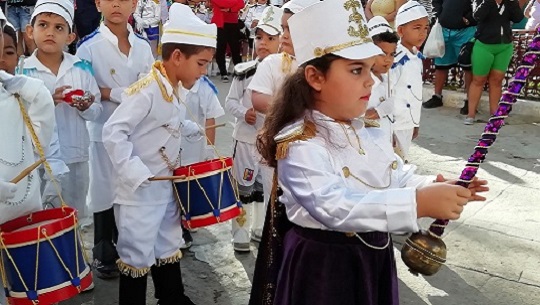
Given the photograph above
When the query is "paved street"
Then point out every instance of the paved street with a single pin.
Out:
(494, 249)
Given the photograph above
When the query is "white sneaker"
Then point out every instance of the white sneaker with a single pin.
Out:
(256, 235)
(468, 121)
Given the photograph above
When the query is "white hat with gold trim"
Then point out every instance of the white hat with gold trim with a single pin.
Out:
(295, 6)
(345, 34)
(271, 20)
(378, 25)
(186, 28)
(62, 8)
(410, 11)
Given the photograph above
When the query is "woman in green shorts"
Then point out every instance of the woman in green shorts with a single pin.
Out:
(492, 50)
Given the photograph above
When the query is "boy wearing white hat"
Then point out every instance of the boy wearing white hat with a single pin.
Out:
(246, 168)
(16, 144)
(143, 138)
(271, 73)
(51, 29)
(381, 105)
(412, 26)
(119, 58)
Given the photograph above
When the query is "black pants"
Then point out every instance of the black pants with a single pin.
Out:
(229, 34)
(105, 237)
(87, 20)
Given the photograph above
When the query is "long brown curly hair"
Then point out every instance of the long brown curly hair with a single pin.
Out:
(293, 99)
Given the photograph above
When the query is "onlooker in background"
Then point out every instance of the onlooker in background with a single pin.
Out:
(385, 8)
(147, 16)
(87, 17)
(18, 14)
(492, 51)
(459, 26)
(252, 19)
(533, 13)
(226, 19)
(521, 25)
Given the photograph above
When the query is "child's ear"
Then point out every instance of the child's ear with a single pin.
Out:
(400, 31)
(314, 77)
(71, 38)
(98, 5)
(30, 31)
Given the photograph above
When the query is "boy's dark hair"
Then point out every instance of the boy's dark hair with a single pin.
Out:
(8, 30)
(295, 97)
(167, 49)
(389, 37)
(33, 21)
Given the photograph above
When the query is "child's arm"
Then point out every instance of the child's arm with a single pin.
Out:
(210, 133)
(131, 170)
(233, 101)
(212, 109)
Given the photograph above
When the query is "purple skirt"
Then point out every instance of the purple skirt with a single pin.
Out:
(323, 268)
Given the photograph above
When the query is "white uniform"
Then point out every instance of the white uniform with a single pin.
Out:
(347, 191)
(268, 79)
(143, 131)
(407, 90)
(147, 18)
(253, 13)
(16, 149)
(71, 123)
(382, 103)
(115, 70)
(202, 104)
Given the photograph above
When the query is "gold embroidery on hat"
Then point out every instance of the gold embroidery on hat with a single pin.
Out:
(269, 14)
(172, 31)
(357, 18)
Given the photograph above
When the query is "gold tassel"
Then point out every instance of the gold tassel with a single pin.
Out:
(175, 258)
(286, 63)
(130, 270)
(306, 132)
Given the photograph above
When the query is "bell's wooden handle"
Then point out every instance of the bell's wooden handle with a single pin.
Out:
(27, 171)
(215, 126)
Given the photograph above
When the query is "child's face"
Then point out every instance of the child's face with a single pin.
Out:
(383, 63)
(116, 11)
(286, 42)
(189, 70)
(414, 33)
(50, 33)
(265, 44)
(8, 58)
(343, 93)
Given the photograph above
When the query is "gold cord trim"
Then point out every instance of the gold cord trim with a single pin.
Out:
(172, 31)
(320, 52)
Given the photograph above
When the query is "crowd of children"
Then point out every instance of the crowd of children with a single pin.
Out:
(325, 115)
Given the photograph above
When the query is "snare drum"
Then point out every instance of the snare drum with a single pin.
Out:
(42, 258)
(208, 195)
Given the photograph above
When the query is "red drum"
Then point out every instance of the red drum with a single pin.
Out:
(208, 195)
(42, 258)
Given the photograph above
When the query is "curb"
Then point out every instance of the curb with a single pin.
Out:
(455, 99)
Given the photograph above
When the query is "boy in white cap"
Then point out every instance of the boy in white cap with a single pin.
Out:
(381, 105)
(271, 73)
(119, 58)
(143, 139)
(51, 29)
(16, 143)
(246, 168)
(412, 26)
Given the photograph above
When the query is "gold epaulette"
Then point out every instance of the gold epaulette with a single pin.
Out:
(286, 63)
(303, 132)
(140, 84)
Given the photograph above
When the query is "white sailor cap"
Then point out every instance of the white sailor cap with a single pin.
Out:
(271, 20)
(378, 25)
(345, 34)
(410, 11)
(295, 6)
(186, 28)
(63, 8)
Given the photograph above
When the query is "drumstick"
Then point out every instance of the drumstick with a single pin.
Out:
(215, 126)
(27, 171)
(163, 178)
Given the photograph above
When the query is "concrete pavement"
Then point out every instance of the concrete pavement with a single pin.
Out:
(494, 249)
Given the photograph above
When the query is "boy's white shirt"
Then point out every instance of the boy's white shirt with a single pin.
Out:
(202, 104)
(382, 103)
(71, 123)
(270, 75)
(404, 75)
(254, 13)
(40, 109)
(113, 69)
(133, 137)
(237, 103)
(147, 13)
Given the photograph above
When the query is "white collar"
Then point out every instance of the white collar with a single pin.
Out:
(106, 32)
(68, 62)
